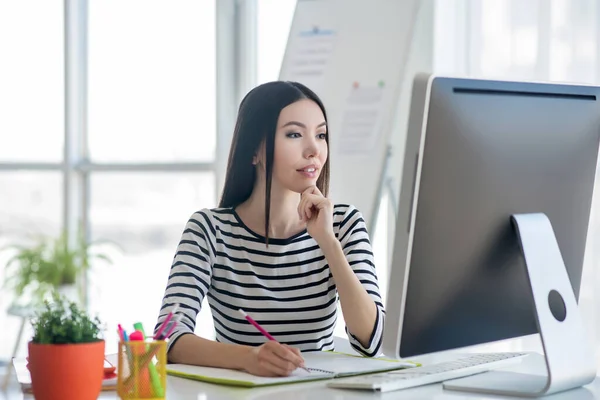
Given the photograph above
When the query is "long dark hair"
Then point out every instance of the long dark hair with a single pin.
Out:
(257, 123)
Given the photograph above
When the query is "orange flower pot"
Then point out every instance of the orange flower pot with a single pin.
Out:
(66, 371)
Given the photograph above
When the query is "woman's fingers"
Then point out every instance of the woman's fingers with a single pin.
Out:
(311, 200)
(272, 369)
(308, 208)
(277, 359)
(282, 358)
(301, 208)
(287, 353)
(315, 203)
(298, 359)
(315, 190)
(294, 350)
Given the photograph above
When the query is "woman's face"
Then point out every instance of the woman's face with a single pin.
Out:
(300, 146)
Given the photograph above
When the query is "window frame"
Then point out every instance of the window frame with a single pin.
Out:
(236, 47)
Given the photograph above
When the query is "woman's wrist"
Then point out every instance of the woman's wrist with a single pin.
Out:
(329, 245)
(243, 357)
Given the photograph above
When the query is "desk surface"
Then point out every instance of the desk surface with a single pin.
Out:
(184, 389)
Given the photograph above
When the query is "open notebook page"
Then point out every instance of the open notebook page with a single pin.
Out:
(341, 364)
(323, 365)
(240, 378)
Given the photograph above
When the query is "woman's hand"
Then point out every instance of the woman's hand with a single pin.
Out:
(317, 211)
(273, 359)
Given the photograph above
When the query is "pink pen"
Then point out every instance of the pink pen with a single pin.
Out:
(176, 319)
(161, 329)
(120, 332)
(256, 325)
(261, 329)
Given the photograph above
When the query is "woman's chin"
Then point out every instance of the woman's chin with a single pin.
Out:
(300, 188)
(300, 185)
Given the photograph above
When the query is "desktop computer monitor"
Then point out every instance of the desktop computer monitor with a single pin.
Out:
(477, 152)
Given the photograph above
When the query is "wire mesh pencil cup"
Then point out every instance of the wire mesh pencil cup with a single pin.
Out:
(141, 372)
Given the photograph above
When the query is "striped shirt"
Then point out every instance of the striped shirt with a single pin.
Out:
(286, 287)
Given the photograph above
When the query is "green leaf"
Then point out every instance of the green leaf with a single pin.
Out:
(47, 263)
(63, 322)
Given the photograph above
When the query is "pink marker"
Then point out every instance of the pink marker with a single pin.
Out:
(256, 325)
(174, 322)
(162, 328)
(120, 332)
(261, 329)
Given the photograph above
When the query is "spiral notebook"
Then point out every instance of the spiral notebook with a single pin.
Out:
(322, 365)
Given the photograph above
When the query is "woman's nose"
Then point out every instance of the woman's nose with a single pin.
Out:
(311, 149)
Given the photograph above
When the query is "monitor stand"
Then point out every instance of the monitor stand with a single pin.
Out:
(569, 359)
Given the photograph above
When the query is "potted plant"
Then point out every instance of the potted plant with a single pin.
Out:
(49, 264)
(66, 353)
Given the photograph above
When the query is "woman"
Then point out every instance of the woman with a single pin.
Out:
(276, 247)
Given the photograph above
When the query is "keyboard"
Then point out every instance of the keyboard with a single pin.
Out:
(407, 378)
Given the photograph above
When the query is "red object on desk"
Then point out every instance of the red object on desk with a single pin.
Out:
(110, 370)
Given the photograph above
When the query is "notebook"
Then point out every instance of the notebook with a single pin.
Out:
(322, 365)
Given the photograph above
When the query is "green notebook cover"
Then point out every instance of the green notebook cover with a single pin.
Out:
(322, 365)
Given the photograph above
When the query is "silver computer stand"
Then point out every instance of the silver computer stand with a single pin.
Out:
(569, 359)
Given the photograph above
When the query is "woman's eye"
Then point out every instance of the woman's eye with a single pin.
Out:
(293, 135)
(322, 136)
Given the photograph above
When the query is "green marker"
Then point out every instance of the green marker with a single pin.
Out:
(156, 386)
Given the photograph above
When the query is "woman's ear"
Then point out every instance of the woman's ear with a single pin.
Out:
(259, 157)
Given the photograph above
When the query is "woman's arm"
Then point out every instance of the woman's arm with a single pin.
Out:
(359, 310)
(194, 350)
(189, 278)
(188, 284)
(269, 359)
(350, 258)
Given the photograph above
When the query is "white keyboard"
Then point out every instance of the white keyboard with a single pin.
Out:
(407, 378)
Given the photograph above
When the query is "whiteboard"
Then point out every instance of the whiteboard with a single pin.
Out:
(353, 54)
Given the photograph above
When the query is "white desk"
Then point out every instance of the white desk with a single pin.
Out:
(184, 389)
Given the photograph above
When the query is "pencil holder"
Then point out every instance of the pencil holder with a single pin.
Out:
(141, 372)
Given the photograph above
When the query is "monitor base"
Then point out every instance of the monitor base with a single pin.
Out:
(499, 382)
(569, 358)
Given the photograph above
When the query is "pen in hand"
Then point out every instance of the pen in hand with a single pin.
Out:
(263, 331)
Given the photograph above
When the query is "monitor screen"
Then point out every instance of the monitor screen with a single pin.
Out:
(485, 150)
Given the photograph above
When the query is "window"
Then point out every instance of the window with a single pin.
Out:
(30, 205)
(505, 38)
(150, 140)
(31, 81)
(152, 81)
(144, 214)
(31, 131)
(274, 23)
(574, 47)
(152, 100)
(526, 40)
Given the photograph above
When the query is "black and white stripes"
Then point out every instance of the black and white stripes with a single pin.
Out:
(286, 287)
